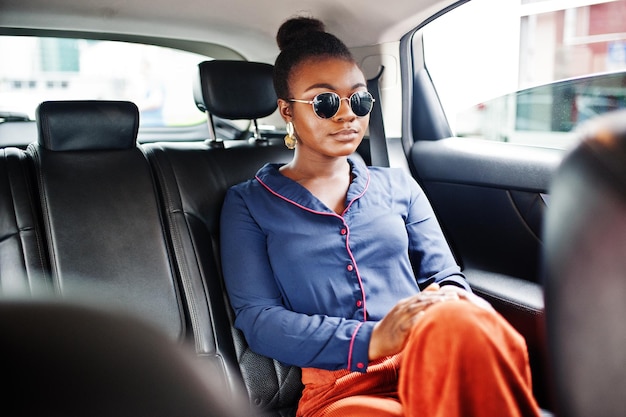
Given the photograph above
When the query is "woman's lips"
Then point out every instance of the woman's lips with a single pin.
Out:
(346, 134)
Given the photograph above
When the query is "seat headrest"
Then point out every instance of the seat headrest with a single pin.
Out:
(87, 125)
(235, 89)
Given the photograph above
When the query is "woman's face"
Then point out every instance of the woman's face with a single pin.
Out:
(339, 135)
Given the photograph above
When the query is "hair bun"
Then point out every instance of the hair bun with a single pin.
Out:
(296, 28)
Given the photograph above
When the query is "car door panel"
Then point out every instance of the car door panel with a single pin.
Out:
(490, 199)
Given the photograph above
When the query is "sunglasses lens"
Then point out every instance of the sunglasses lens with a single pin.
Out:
(361, 103)
(326, 105)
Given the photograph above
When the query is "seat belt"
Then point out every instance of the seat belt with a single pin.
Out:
(378, 141)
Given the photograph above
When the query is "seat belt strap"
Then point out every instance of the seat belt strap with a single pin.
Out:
(378, 141)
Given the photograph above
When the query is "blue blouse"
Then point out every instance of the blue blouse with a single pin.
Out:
(307, 284)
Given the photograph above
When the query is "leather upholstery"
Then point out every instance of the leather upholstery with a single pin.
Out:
(137, 228)
(87, 125)
(72, 361)
(23, 261)
(585, 273)
(235, 89)
(111, 240)
(101, 215)
(230, 90)
(195, 183)
(102, 225)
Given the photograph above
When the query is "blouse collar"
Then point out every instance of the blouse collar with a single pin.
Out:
(271, 178)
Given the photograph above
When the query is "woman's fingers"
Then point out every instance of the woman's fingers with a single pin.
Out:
(390, 333)
(428, 297)
(471, 297)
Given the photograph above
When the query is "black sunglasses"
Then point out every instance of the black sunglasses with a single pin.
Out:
(326, 105)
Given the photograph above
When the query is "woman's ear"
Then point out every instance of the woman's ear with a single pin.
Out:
(284, 107)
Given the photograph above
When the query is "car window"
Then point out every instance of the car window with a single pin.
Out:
(157, 79)
(528, 71)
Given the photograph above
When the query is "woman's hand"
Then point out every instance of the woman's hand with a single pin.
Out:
(390, 334)
(465, 295)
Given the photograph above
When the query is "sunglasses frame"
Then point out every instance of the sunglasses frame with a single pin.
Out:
(312, 103)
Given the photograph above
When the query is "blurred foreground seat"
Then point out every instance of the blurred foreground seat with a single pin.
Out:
(585, 273)
(69, 360)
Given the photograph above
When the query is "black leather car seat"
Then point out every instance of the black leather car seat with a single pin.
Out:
(585, 273)
(100, 212)
(194, 181)
(86, 225)
(67, 360)
(23, 259)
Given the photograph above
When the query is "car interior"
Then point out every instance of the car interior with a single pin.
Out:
(109, 226)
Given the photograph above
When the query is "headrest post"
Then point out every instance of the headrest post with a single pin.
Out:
(211, 126)
(257, 132)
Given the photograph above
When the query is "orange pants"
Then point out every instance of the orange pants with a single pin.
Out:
(459, 361)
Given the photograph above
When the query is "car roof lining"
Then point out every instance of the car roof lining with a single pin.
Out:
(241, 25)
(208, 49)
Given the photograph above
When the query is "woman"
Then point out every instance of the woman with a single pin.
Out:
(324, 259)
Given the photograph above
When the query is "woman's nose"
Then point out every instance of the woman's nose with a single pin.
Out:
(345, 110)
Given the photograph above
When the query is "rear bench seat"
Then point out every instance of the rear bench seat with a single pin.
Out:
(87, 214)
(194, 180)
(80, 218)
(100, 212)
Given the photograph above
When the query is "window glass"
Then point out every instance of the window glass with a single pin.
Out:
(158, 80)
(528, 71)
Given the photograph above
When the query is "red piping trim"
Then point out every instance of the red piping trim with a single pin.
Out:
(352, 344)
(356, 268)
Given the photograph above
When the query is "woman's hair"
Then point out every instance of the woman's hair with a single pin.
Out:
(301, 39)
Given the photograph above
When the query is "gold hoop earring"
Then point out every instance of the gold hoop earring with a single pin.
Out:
(290, 138)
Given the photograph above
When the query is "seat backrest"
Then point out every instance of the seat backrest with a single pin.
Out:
(23, 260)
(194, 183)
(585, 273)
(91, 210)
(72, 361)
(101, 214)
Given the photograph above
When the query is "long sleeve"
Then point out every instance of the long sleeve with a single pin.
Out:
(429, 251)
(270, 328)
(308, 284)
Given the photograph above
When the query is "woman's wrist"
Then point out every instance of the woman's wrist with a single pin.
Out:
(373, 351)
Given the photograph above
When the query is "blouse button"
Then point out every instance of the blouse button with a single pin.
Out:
(350, 267)
(359, 303)
(344, 231)
(360, 365)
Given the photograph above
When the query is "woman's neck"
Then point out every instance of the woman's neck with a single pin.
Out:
(303, 168)
(328, 180)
